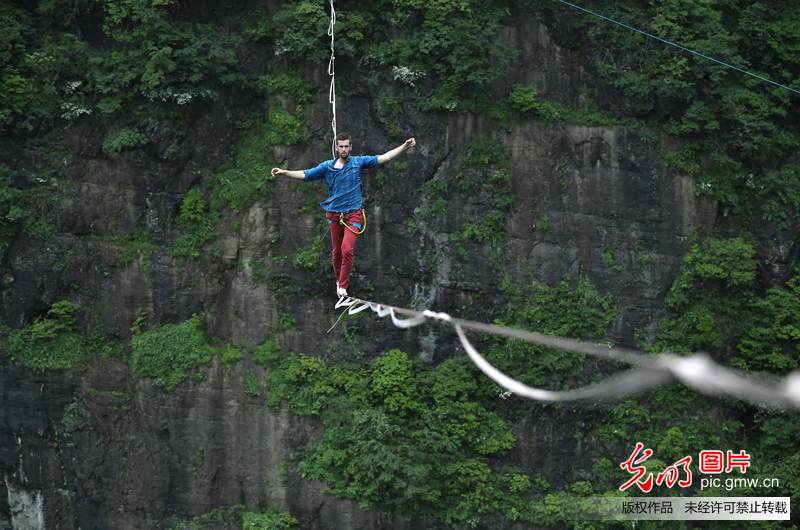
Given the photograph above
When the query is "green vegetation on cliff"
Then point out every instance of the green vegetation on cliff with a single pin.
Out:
(264, 520)
(716, 305)
(150, 61)
(736, 130)
(561, 311)
(167, 352)
(50, 343)
(408, 440)
(718, 308)
(416, 441)
(158, 58)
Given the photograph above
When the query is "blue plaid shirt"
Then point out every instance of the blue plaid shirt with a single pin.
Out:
(344, 183)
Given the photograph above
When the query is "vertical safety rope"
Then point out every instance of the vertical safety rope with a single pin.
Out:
(332, 73)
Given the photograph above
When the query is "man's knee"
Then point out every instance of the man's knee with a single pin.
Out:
(348, 244)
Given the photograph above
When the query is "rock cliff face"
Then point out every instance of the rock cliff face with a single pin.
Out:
(96, 449)
(100, 448)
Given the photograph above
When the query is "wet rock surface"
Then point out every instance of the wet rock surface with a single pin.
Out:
(100, 449)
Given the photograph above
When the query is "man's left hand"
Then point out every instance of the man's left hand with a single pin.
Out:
(408, 144)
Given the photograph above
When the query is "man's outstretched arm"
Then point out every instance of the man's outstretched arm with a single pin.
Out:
(294, 174)
(385, 157)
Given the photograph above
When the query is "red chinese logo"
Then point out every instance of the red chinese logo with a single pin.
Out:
(671, 473)
(638, 471)
(742, 460)
(711, 461)
(669, 476)
(714, 461)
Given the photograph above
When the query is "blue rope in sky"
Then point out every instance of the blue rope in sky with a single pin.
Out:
(681, 47)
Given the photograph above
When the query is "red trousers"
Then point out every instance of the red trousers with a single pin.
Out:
(343, 242)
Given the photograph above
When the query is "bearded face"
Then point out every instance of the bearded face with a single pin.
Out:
(343, 147)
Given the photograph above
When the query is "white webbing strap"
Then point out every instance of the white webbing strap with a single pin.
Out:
(697, 371)
(332, 73)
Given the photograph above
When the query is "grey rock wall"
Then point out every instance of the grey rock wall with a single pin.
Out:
(100, 449)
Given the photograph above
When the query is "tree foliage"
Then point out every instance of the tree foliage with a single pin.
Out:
(412, 442)
(167, 352)
(718, 307)
(50, 343)
(150, 55)
(735, 128)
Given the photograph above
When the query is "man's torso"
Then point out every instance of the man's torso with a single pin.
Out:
(344, 183)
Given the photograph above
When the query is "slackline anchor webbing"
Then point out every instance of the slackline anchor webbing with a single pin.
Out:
(697, 371)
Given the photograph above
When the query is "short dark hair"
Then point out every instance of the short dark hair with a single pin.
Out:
(341, 137)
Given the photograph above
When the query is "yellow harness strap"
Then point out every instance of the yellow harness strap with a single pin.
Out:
(363, 218)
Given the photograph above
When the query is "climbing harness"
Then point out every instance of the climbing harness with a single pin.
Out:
(697, 371)
(332, 73)
(678, 46)
(364, 220)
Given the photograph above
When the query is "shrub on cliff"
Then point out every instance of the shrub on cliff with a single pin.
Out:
(50, 343)
(168, 351)
(718, 307)
(11, 207)
(409, 441)
(269, 519)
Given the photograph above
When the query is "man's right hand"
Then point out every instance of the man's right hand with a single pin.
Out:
(288, 172)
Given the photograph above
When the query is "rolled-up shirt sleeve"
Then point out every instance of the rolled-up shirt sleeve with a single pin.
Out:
(370, 161)
(315, 173)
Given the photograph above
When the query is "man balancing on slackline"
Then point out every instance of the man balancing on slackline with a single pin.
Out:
(345, 219)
